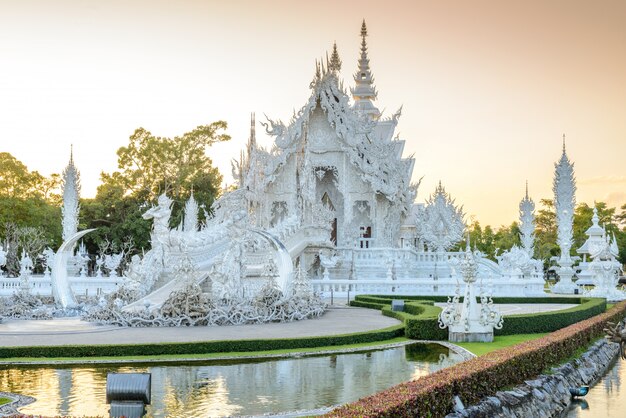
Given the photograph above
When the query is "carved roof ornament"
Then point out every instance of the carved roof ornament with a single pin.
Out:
(71, 198)
(364, 92)
(335, 61)
(443, 221)
(527, 223)
(564, 188)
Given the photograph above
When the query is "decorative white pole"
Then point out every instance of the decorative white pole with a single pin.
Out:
(527, 224)
(71, 197)
(564, 203)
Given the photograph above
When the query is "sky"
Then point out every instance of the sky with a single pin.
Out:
(488, 88)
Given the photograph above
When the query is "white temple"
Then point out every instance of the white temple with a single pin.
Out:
(332, 200)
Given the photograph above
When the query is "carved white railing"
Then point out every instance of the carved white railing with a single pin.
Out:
(42, 285)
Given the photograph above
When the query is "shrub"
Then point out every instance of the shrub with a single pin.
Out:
(432, 395)
(422, 323)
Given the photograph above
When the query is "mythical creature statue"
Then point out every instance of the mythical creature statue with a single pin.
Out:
(48, 258)
(161, 216)
(112, 262)
(26, 265)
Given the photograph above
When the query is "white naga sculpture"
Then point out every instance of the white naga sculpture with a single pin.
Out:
(564, 203)
(443, 221)
(469, 321)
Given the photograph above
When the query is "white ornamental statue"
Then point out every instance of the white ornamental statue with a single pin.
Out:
(527, 224)
(564, 188)
(443, 221)
(71, 198)
(605, 269)
(3, 260)
(469, 321)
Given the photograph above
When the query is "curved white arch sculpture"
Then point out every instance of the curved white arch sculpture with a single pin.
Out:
(61, 289)
(284, 264)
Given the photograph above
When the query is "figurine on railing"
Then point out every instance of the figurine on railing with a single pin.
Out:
(3, 260)
(48, 260)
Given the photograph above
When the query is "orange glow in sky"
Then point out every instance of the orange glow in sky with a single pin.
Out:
(488, 87)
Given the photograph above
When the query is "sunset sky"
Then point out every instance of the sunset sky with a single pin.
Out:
(488, 87)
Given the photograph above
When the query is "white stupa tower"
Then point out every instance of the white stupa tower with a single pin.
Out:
(564, 188)
(364, 92)
(527, 224)
(71, 198)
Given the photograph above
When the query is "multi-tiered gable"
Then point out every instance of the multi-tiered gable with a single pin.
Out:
(335, 153)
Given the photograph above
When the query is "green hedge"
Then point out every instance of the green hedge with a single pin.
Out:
(551, 321)
(432, 395)
(205, 347)
(421, 318)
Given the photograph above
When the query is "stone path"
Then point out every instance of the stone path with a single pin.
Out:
(337, 320)
(73, 331)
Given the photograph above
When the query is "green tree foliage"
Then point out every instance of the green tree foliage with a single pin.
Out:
(28, 199)
(545, 232)
(147, 167)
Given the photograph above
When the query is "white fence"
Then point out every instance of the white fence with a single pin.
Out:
(42, 285)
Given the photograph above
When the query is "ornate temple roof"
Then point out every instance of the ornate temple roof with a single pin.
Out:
(367, 140)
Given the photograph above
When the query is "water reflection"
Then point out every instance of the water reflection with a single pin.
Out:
(605, 398)
(224, 389)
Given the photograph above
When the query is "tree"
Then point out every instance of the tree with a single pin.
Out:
(149, 166)
(545, 232)
(28, 199)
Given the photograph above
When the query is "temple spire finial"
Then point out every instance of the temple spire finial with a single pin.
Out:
(364, 92)
(526, 189)
(335, 61)
(563, 143)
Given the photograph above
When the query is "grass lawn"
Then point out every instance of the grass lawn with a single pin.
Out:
(499, 342)
(207, 356)
(4, 401)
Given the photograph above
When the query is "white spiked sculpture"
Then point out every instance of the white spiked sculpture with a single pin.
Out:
(468, 321)
(527, 224)
(191, 215)
(443, 226)
(71, 197)
(564, 203)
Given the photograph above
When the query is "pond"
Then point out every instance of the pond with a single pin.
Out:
(221, 388)
(606, 399)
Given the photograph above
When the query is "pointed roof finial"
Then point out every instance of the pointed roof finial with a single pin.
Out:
(526, 189)
(335, 61)
(72, 153)
(364, 91)
(563, 143)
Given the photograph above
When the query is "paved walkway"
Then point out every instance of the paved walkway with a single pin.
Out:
(74, 331)
(337, 320)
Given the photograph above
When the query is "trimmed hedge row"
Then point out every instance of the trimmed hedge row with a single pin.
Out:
(422, 321)
(551, 321)
(432, 395)
(204, 347)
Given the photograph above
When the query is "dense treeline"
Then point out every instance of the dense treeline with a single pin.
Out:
(30, 214)
(30, 204)
(492, 241)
